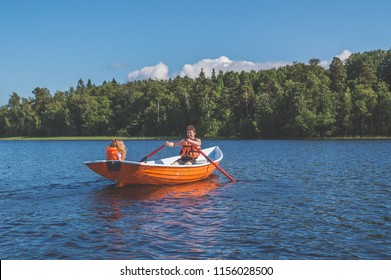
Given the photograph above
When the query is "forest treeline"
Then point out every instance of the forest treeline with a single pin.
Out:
(350, 98)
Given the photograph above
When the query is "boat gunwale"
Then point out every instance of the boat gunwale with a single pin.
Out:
(154, 164)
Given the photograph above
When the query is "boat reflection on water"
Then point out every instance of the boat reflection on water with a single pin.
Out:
(114, 199)
(194, 189)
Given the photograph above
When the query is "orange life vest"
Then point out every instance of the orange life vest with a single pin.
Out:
(189, 151)
(112, 153)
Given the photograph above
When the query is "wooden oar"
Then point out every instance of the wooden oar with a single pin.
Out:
(151, 154)
(211, 161)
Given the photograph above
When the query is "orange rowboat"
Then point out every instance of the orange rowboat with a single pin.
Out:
(157, 172)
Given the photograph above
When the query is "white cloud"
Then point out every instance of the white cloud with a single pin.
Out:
(344, 55)
(158, 72)
(224, 64)
(325, 63)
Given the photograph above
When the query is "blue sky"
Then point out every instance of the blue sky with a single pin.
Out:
(53, 44)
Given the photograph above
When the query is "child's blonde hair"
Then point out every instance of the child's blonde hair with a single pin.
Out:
(119, 144)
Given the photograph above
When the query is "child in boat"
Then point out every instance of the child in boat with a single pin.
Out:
(188, 153)
(116, 150)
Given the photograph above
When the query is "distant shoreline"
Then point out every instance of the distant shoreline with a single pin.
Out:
(82, 138)
(109, 138)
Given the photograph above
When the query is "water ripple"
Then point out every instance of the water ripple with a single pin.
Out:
(293, 200)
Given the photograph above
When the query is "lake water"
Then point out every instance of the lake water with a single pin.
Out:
(293, 200)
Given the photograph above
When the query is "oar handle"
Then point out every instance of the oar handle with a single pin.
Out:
(211, 161)
(152, 153)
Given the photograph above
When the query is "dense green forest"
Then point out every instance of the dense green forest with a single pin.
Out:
(350, 98)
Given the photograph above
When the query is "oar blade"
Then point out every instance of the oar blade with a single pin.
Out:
(211, 161)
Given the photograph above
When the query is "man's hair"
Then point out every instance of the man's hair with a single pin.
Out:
(191, 127)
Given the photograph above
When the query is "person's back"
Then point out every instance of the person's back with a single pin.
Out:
(116, 150)
(112, 153)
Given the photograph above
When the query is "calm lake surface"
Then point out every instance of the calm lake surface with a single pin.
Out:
(293, 200)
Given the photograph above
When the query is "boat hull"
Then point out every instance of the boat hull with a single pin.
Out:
(136, 173)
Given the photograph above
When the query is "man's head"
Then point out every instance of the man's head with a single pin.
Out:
(190, 131)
